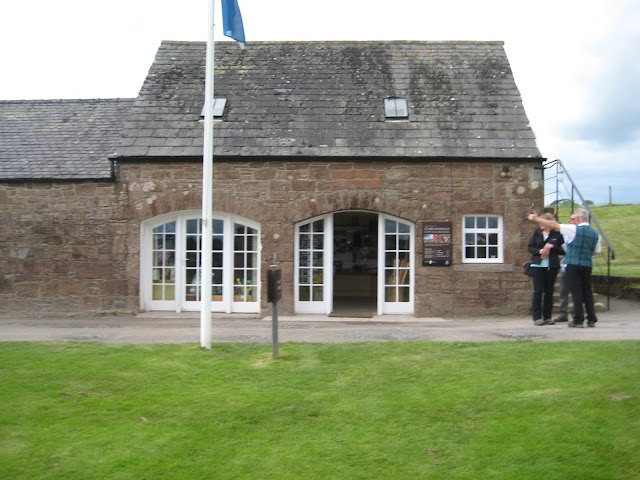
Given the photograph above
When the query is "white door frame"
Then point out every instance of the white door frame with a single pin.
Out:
(326, 305)
(180, 303)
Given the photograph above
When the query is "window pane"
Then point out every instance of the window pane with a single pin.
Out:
(493, 239)
(404, 257)
(390, 259)
(169, 292)
(390, 294)
(304, 294)
(238, 276)
(401, 107)
(318, 241)
(469, 252)
(318, 276)
(317, 294)
(390, 276)
(389, 226)
(193, 226)
(304, 276)
(216, 276)
(305, 241)
(251, 295)
(493, 222)
(403, 293)
(481, 222)
(389, 242)
(395, 108)
(318, 226)
(469, 239)
(403, 242)
(404, 228)
(469, 222)
(252, 277)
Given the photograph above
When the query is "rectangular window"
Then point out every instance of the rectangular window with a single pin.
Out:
(482, 239)
(218, 108)
(396, 108)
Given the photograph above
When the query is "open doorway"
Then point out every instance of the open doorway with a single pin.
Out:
(355, 264)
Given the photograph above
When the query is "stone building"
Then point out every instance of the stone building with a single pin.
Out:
(390, 176)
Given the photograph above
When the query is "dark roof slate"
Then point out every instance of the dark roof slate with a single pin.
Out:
(59, 139)
(325, 99)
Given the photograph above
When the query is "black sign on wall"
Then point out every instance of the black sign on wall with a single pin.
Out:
(436, 243)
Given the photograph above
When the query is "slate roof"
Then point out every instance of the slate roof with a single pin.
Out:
(325, 99)
(59, 139)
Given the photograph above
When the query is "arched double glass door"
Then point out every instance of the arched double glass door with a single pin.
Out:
(171, 257)
(354, 258)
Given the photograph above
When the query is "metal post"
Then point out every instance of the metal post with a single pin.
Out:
(274, 330)
(207, 193)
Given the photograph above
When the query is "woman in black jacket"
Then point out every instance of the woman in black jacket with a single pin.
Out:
(545, 247)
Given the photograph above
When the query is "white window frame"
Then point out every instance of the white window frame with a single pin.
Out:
(396, 109)
(499, 230)
(228, 304)
(325, 306)
(395, 307)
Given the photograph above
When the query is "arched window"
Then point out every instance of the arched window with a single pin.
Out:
(171, 258)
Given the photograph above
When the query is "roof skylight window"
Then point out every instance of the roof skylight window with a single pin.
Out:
(218, 108)
(396, 109)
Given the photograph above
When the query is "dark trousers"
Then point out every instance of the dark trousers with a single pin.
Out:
(543, 282)
(578, 279)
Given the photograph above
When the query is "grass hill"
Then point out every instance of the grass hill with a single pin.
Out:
(621, 225)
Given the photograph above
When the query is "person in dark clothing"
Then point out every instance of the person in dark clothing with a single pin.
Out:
(583, 242)
(545, 247)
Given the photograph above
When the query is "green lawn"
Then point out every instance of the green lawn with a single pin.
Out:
(404, 410)
(621, 224)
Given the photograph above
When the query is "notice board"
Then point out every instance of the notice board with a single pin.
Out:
(436, 243)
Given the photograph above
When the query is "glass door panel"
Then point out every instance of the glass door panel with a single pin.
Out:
(245, 264)
(163, 272)
(397, 283)
(312, 267)
(173, 263)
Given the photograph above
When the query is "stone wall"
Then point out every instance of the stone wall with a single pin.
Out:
(62, 249)
(280, 194)
(619, 287)
(74, 247)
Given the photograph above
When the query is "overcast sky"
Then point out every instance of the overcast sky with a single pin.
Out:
(576, 63)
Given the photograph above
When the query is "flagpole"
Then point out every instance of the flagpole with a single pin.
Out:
(207, 191)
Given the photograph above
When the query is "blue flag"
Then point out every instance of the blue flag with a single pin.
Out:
(232, 21)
